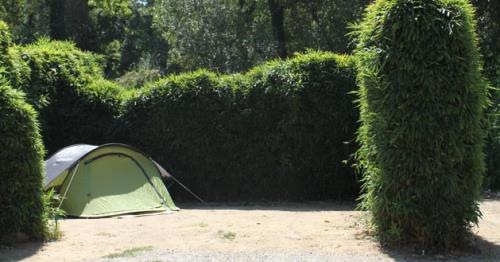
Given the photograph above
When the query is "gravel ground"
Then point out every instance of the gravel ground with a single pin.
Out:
(204, 256)
(329, 231)
(243, 257)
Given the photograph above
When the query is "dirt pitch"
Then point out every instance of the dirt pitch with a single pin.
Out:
(284, 232)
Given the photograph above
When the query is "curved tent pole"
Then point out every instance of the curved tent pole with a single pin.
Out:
(163, 201)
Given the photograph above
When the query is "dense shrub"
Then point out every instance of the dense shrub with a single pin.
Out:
(279, 132)
(21, 170)
(422, 100)
(44, 67)
(65, 85)
(86, 114)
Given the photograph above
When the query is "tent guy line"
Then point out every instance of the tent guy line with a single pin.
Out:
(107, 180)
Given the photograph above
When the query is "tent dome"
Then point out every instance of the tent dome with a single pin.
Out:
(106, 180)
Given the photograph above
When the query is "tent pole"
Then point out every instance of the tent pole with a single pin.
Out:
(69, 184)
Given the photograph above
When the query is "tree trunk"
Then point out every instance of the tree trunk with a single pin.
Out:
(78, 25)
(57, 26)
(278, 23)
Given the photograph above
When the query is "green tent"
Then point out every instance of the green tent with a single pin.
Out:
(107, 180)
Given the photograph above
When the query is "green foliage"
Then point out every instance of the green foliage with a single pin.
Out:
(138, 78)
(5, 42)
(231, 36)
(28, 19)
(488, 17)
(65, 84)
(11, 10)
(226, 235)
(117, 8)
(5, 39)
(21, 167)
(280, 120)
(226, 37)
(112, 55)
(52, 202)
(279, 132)
(42, 68)
(219, 35)
(129, 253)
(86, 114)
(321, 24)
(493, 145)
(422, 102)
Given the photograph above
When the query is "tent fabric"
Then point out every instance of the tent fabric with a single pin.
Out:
(111, 179)
(66, 157)
(163, 172)
(63, 159)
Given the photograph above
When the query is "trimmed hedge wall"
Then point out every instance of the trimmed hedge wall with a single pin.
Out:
(279, 132)
(65, 85)
(422, 102)
(21, 167)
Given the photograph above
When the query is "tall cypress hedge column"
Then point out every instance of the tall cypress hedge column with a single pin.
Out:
(21, 167)
(422, 100)
(5, 42)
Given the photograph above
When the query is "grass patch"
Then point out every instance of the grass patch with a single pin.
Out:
(53, 233)
(132, 252)
(202, 224)
(104, 234)
(226, 235)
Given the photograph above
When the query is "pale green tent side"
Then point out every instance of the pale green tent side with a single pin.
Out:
(107, 180)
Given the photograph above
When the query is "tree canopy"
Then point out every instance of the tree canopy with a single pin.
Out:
(179, 35)
(169, 36)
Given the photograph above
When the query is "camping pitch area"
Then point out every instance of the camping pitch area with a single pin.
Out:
(284, 232)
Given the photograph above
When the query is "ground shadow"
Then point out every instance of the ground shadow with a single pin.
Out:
(491, 195)
(19, 251)
(478, 250)
(277, 206)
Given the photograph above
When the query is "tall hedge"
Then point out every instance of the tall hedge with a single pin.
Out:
(21, 167)
(422, 100)
(5, 42)
(65, 85)
(279, 132)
